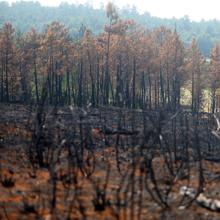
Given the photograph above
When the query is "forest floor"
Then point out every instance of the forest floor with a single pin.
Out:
(111, 183)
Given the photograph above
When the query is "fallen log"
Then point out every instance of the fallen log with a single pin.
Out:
(201, 199)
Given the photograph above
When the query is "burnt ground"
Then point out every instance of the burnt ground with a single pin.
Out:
(107, 163)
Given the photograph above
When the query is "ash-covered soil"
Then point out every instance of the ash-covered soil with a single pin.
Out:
(106, 163)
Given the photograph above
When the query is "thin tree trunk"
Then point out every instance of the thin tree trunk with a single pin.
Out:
(134, 85)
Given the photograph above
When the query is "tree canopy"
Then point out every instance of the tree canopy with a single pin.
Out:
(25, 15)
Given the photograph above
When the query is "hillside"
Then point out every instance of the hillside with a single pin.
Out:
(108, 114)
(24, 15)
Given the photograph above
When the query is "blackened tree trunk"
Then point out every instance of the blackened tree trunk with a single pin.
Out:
(134, 85)
(36, 82)
(68, 94)
(97, 82)
(80, 84)
(6, 78)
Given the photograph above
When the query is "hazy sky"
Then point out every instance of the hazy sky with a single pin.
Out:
(195, 9)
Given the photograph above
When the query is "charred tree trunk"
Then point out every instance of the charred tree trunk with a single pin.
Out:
(134, 86)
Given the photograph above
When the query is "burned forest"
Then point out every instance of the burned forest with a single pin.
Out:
(123, 125)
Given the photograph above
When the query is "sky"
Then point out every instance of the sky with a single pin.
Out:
(195, 9)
